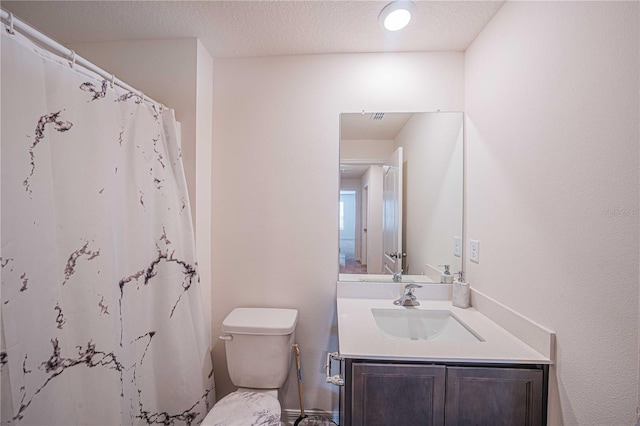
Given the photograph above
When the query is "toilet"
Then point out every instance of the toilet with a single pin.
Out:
(258, 344)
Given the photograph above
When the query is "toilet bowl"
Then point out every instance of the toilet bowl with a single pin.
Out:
(244, 408)
(258, 347)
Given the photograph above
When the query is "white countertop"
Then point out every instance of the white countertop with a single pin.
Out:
(360, 337)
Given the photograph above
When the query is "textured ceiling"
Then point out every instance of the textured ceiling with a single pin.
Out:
(261, 28)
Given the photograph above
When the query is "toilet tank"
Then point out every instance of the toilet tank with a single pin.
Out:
(259, 349)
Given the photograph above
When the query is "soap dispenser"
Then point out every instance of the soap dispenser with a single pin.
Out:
(446, 277)
(461, 292)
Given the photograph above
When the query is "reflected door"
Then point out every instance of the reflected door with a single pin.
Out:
(347, 227)
(365, 221)
(392, 213)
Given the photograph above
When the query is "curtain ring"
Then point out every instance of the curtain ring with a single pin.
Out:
(113, 80)
(73, 58)
(10, 29)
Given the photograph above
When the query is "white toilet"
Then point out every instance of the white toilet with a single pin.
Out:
(258, 345)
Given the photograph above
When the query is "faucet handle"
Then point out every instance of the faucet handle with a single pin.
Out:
(408, 288)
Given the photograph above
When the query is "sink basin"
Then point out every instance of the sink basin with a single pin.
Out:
(423, 324)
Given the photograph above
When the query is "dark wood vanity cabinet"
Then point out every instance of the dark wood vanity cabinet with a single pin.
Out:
(408, 394)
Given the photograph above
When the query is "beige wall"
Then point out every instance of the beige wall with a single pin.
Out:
(552, 190)
(275, 183)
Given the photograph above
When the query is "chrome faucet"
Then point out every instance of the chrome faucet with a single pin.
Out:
(397, 276)
(408, 298)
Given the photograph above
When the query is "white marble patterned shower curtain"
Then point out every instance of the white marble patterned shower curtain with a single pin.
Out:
(102, 320)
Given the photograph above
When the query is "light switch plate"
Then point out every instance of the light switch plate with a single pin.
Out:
(474, 254)
(457, 246)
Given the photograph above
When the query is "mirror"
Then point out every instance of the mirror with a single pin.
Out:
(403, 215)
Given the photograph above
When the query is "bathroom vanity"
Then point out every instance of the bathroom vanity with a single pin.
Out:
(387, 392)
(436, 364)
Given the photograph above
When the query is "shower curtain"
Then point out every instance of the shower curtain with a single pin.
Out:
(102, 320)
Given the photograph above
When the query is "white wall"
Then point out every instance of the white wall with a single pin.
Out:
(372, 181)
(183, 83)
(204, 130)
(432, 190)
(366, 149)
(276, 177)
(552, 190)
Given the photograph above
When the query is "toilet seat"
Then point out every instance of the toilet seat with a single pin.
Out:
(243, 408)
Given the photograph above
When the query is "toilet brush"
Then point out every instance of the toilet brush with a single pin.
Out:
(296, 349)
(305, 420)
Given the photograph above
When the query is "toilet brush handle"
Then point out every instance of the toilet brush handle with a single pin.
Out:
(296, 349)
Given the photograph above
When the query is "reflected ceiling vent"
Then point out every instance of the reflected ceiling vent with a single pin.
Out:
(377, 116)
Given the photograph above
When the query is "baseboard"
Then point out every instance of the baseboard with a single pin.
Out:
(290, 416)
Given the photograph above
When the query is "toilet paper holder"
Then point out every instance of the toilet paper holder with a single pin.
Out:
(337, 379)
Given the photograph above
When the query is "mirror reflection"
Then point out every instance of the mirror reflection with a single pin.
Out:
(401, 193)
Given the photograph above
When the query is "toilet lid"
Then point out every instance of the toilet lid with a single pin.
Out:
(242, 408)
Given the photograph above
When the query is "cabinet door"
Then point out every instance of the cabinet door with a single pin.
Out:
(402, 395)
(493, 396)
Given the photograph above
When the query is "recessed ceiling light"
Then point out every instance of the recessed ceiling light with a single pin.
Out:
(396, 15)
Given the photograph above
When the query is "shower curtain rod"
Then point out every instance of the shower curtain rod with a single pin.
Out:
(26, 29)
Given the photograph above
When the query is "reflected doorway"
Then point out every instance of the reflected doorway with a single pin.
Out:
(349, 259)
